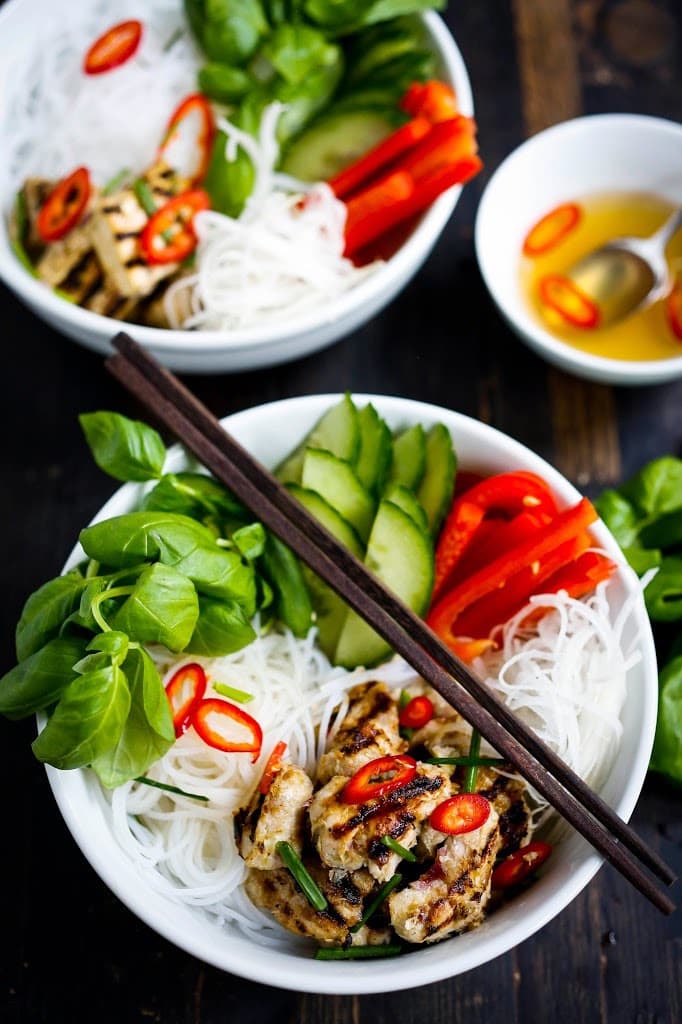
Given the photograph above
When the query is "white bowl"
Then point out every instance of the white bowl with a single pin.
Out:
(606, 152)
(269, 432)
(220, 351)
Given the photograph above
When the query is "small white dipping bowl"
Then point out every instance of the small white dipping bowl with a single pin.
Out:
(223, 351)
(602, 153)
(270, 432)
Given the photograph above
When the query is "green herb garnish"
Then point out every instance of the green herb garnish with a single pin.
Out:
(466, 762)
(472, 769)
(301, 876)
(114, 184)
(241, 696)
(170, 789)
(390, 843)
(357, 952)
(144, 196)
(383, 893)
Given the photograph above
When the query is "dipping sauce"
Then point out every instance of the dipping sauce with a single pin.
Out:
(604, 216)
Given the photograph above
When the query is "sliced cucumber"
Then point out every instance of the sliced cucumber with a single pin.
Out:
(330, 609)
(406, 500)
(409, 457)
(335, 480)
(337, 431)
(435, 490)
(334, 142)
(376, 450)
(402, 556)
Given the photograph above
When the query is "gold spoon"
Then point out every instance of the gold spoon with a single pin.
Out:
(626, 274)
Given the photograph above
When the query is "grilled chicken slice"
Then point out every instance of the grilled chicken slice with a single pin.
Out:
(369, 730)
(277, 816)
(62, 256)
(451, 896)
(444, 736)
(349, 836)
(116, 227)
(508, 798)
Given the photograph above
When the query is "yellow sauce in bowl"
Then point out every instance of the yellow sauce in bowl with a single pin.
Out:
(604, 216)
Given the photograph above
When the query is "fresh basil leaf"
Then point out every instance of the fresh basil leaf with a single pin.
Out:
(113, 644)
(249, 540)
(91, 663)
(642, 559)
(87, 721)
(45, 611)
(282, 570)
(148, 732)
(125, 449)
(296, 50)
(657, 488)
(664, 532)
(39, 679)
(344, 16)
(667, 753)
(228, 30)
(163, 608)
(195, 495)
(214, 571)
(620, 516)
(223, 83)
(663, 596)
(221, 628)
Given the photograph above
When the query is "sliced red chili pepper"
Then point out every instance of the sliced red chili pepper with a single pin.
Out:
(379, 777)
(168, 235)
(215, 719)
(64, 206)
(520, 864)
(434, 100)
(551, 229)
(416, 713)
(113, 48)
(573, 305)
(273, 765)
(460, 814)
(193, 116)
(673, 309)
(185, 689)
(358, 175)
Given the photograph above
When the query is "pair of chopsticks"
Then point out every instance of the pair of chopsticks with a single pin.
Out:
(172, 404)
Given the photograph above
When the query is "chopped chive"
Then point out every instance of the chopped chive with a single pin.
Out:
(300, 873)
(170, 789)
(465, 762)
(390, 843)
(172, 40)
(403, 700)
(144, 196)
(371, 910)
(357, 952)
(114, 184)
(23, 257)
(241, 696)
(472, 769)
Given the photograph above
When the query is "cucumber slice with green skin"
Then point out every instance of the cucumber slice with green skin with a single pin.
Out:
(338, 432)
(335, 480)
(334, 142)
(407, 501)
(435, 490)
(376, 450)
(401, 554)
(330, 609)
(409, 457)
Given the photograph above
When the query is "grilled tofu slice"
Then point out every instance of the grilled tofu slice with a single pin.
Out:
(451, 896)
(108, 302)
(349, 836)
(369, 730)
(35, 192)
(116, 226)
(277, 816)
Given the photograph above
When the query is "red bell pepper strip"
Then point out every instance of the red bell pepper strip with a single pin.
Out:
(185, 689)
(577, 578)
(460, 814)
(551, 229)
(447, 143)
(573, 305)
(274, 764)
(368, 220)
(461, 525)
(433, 100)
(495, 577)
(214, 721)
(673, 309)
(416, 713)
(465, 480)
(168, 235)
(520, 864)
(64, 206)
(350, 179)
(379, 777)
(193, 108)
(467, 650)
(113, 48)
(490, 544)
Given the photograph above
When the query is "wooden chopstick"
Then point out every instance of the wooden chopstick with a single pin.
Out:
(193, 424)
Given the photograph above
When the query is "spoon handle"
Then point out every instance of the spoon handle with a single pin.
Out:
(664, 234)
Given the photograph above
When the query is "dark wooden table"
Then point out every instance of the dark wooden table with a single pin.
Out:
(73, 953)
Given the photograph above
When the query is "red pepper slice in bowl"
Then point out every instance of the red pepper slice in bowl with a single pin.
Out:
(274, 764)
(460, 814)
(551, 229)
(168, 235)
(184, 690)
(379, 777)
(113, 48)
(215, 721)
(416, 713)
(520, 864)
(434, 100)
(191, 128)
(64, 206)
(575, 307)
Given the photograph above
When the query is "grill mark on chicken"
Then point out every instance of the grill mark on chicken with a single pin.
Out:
(392, 802)
(73, 279)
(111, 208)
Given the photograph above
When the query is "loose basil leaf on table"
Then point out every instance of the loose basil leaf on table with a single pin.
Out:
(126, 449)
(222, 628)
(39, 680)
(45, 611)
(162, 608)
(667, 752)
(87, 721)
(663, 596)
(657, 488)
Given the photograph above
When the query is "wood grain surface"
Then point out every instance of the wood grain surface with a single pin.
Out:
(73, 953)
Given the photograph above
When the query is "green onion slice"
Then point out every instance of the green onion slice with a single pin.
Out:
(114, 184)
(144, 196)
(466, 762)
(357, 952)
(241, 696)
(472, 769)
(301, 875)
(390, 843)
(371, 910)
(170, 789)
